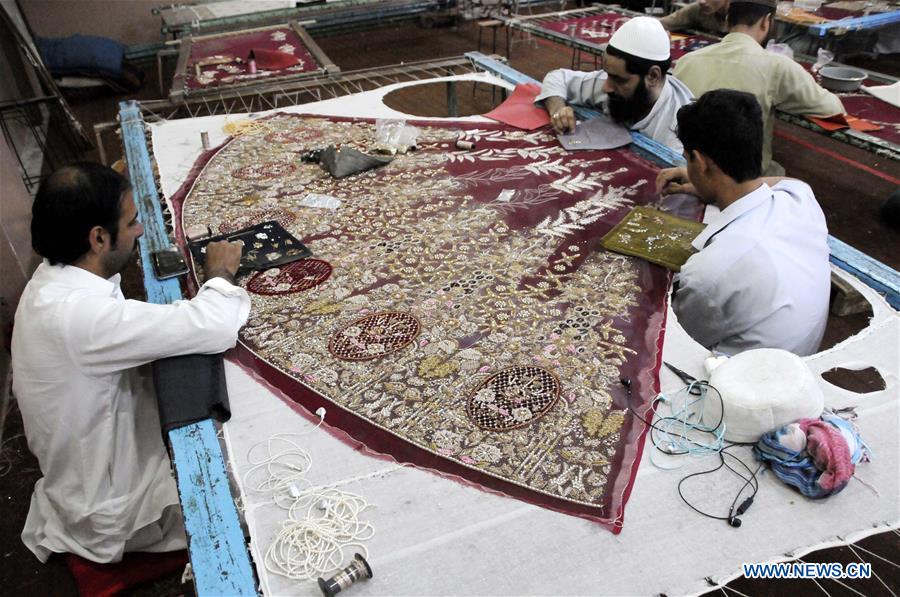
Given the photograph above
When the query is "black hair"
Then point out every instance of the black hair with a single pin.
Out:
(727, 127)
(746, 13)
(639, 66)
(69, 203)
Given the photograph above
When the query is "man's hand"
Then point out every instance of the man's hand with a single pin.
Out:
(223, 259)
(562, 117)
(674, 180)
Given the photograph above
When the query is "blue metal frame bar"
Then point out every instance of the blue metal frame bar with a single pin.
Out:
(856, 23)
(873, 273)
(219, 556)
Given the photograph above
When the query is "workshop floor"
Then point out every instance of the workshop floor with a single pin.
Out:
(849, 195)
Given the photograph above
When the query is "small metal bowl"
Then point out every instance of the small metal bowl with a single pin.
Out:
(842, 78)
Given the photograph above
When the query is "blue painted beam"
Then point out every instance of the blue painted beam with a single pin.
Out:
(216, 543)
(219, 555)
(146, 199)
(873, 273)
(857, 23)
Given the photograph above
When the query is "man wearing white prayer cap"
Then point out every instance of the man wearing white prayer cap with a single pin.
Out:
(633, 87)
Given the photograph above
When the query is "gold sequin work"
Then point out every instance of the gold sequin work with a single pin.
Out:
(456, 310)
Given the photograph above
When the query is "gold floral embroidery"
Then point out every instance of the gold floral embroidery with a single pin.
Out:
(493, 286)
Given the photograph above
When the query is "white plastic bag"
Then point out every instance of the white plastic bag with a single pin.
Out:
(783, 49)
(395, 136)
(823, 58)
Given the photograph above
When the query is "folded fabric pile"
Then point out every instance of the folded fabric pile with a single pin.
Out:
(816, 456)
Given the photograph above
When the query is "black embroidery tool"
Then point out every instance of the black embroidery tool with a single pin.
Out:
(687, 379)
(358, 568)
(266, 245)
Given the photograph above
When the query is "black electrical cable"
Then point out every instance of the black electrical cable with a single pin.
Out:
(652, 425)
(751, 480)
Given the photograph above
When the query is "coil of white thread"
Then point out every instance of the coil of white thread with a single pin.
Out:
(322, 522)
(315, 545)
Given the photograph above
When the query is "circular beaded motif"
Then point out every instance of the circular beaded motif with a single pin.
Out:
(513, 398)
(374, 336)
(293, 277)
(264, 171)
(294, 136)
(282, 216)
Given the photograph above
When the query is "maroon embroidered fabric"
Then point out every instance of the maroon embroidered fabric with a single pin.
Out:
(223, 58)
(833, 14)
(461, 315)
(599, 28)
(868, 107)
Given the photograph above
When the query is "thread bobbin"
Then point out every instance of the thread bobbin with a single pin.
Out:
(358, 568)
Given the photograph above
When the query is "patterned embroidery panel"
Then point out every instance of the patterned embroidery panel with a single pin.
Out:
(374, 336)
(222, 59)
(598, 29)
(456, 274)
(288, 279)
(513, 398)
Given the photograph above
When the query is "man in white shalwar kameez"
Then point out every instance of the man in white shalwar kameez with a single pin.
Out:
(78, 355)
(633, 87)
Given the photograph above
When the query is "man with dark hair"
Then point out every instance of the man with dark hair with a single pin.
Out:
(703, 15)
(761, 278)
(633, 87)
(78, 347)
(740, 62)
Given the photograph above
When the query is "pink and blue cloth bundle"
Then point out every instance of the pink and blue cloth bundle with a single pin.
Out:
(816, 456)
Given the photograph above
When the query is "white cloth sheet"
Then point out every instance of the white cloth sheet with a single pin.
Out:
(886, 93)
(435, 536)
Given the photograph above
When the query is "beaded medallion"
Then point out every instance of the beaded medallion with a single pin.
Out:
(513, 398)
(293, 277)
(374, 336)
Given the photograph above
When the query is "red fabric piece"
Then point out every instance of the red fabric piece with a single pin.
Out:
(135, 569)
(272, 59)
(873, 116)
(829, 452)
(842, 121)
(519, 110)
(268, 44)
(482, 181)
(868, 107)
(598, 29)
